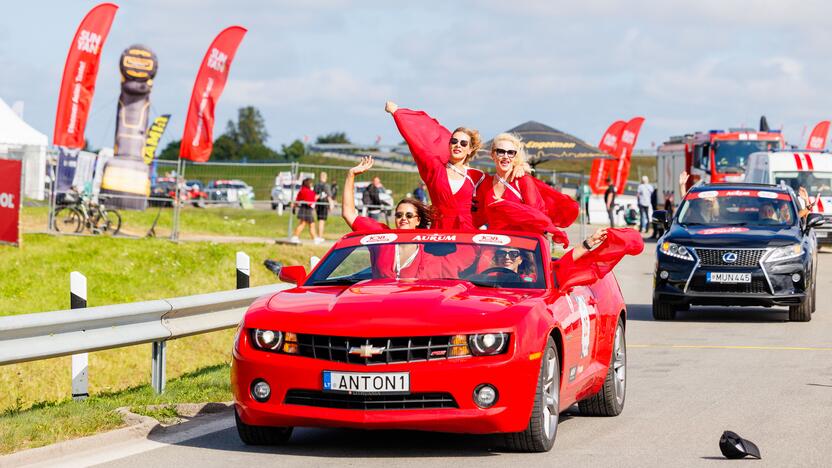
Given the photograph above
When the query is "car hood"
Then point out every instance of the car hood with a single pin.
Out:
(394, 308)
(727, 236)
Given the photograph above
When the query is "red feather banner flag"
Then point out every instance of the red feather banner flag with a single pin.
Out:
(80, 72)
(817, 140)
(197, 139)
(625, 152)
(601, 168)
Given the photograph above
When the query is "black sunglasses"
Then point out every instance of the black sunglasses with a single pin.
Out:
(405, 214)
(462, 143)
(502, 152)
(512, 254)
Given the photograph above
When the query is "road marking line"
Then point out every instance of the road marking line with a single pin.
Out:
(764, 348)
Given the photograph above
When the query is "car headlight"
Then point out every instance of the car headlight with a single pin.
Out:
(268, 340)
(675, 250)
(488, 344)
(785, 253)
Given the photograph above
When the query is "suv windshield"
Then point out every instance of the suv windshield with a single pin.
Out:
(814, 182)
(492, 266)
(737, 208)
(731, 156)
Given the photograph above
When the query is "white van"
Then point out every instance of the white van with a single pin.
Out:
(796, 169)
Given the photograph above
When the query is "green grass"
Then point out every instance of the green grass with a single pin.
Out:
(165, 414)
(48, 423)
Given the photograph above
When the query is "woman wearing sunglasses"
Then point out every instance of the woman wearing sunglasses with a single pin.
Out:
(402, 261)
(442, 159)
(519, 262)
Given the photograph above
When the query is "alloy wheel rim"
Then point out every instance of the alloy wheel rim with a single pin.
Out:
(619, 365)
(550, 394)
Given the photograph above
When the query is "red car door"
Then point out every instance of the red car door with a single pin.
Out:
(581, 336)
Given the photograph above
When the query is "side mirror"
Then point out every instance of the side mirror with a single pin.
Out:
(660, 216)
(292, 274)
(814, 220)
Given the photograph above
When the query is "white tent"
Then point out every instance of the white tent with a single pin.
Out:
(20, 141)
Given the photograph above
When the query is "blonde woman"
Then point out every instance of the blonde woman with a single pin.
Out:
(442, 159)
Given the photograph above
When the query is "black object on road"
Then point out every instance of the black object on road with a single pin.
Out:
(733, 446)
(274, 266)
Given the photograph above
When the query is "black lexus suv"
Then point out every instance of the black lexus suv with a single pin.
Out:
(736, 245)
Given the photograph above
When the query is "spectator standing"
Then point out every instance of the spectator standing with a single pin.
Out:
(304, 203)
(420, 193)
(325, 199)
(372, 199)
(645, 194)
(609, 200)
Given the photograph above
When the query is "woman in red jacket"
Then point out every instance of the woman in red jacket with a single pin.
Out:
(442, 157)
(304, 202)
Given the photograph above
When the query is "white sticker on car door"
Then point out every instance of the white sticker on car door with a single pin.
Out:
(583, 310)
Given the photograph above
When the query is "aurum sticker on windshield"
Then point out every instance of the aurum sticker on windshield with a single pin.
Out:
(378, 239)
(491, 239)
(434, 238)
(722, 230)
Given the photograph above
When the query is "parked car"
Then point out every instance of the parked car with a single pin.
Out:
(163, 192)
(283, 189)
(486, 350)
(229, 191)
(737, 245)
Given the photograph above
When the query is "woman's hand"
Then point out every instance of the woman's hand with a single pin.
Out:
(803, 194)
(517, 171)
(683, 178)
(362, 167)
(391, 107)
(597, 238)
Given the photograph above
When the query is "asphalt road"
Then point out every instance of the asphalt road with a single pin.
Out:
(743, 369)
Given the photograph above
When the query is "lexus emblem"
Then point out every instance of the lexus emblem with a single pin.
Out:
(729, 257)
(367, 351)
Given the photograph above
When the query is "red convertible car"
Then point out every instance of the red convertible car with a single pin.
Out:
(462, 332)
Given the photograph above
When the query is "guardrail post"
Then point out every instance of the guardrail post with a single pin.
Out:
(157, 372)
(243, 270)
(78, 300)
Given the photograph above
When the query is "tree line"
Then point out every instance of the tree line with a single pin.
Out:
(246, 138)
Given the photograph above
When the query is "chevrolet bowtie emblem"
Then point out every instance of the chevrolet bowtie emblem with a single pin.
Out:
(367, 351)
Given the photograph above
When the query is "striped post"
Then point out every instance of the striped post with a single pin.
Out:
(78, 300)
(243, 270)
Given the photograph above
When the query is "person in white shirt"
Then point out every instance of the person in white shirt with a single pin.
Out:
(645, 191)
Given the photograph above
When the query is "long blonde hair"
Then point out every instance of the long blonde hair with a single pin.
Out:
(520, 158)
(476, 141)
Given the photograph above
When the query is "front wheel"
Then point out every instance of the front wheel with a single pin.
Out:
(109, 223)
(539, 436)
(802, 312)
(663, 311)
(67, 219)
(609, 401)
(261, 435)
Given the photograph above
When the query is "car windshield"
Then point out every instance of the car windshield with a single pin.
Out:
(737, 208)
(814, 182)
(731, 156)
(486, 260)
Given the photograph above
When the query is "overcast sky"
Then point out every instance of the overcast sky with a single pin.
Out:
(317, 66)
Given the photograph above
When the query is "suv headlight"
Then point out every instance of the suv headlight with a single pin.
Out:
(675, 250)
(786, 252)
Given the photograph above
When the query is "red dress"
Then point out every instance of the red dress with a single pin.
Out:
(429, 144)
(595, 264)
(383, 257)
(521, 208)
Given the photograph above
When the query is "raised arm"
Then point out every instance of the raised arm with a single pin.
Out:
(348, 195)
(683, 181)
(427, 138)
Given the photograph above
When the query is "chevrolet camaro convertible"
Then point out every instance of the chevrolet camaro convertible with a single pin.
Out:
(463, 332)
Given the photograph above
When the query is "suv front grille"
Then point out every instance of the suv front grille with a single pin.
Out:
(745, 257)
(389, 350)
(370, 402)
(756, 286)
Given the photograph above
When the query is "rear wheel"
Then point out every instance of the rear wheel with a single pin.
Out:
(610, 400)
(539, 436)
(663, 311)
(802, 312)
(261, 435)
(68, 219)
(108, 223)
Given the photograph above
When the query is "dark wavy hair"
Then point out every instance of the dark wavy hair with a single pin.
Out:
(421, 209)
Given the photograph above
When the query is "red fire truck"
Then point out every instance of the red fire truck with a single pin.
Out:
(715, 156)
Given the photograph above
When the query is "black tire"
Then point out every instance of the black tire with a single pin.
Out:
(662, 311)
(274, 206)
(110, 224)
(814, 297)
(802, 312)
(261, 435)
(68, 219)
(609, 401)
(540, 434)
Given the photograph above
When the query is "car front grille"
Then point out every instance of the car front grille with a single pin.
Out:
(745, 257)
(386, 350)
(370, 402)
(756, 286)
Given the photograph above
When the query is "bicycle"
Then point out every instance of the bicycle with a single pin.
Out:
(82, 214)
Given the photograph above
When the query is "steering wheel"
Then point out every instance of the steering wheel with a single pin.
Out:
(514, 277)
